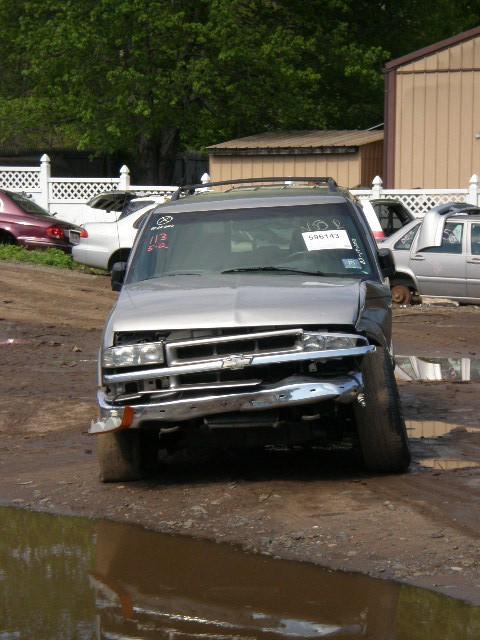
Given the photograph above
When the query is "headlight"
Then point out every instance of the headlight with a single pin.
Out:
(133, 355)
(321, 342)
(313, 342)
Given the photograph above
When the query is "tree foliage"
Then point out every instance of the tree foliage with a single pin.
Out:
(145, 77)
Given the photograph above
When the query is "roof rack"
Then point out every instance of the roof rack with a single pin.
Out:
(191, 188)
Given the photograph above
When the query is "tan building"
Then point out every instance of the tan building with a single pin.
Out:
(352, 158)
(432, 115)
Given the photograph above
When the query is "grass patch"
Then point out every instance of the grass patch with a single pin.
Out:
(45, 257)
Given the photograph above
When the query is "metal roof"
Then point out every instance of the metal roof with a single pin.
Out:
(433, 48)
(312, 139)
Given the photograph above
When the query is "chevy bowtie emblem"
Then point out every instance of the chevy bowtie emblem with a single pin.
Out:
(236, 362)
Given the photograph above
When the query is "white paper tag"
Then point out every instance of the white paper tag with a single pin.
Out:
(315, 240)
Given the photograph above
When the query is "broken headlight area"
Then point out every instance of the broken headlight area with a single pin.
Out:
(314, 341)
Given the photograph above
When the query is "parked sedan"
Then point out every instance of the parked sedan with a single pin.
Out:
(101, 244)
(24, 222)
(438, 256)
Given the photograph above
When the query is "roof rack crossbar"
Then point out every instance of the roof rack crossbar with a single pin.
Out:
(191, 188)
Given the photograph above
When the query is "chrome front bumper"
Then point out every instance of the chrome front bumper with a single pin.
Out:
(296, 390)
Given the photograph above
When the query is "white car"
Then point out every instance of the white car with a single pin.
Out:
(101, 244)
(385, 216)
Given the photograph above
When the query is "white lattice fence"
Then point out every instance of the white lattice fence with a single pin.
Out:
(419, 201)
(20, 178)
(78, 189)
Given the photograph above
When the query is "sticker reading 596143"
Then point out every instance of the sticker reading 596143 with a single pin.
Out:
(315, 240)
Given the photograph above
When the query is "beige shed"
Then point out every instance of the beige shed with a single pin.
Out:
(352, 158)
(432, 115)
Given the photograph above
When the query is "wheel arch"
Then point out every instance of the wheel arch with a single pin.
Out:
(120, 255)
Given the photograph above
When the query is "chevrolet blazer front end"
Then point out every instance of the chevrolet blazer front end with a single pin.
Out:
(203, 376)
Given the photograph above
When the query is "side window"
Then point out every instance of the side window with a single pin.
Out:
(475, 239)
(406, 240)
(133, 206)
(391, 217)
(451, 241)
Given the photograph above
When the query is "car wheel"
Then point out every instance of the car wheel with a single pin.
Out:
(6, 238)
(401, 293)
(380, 425)
(126, 455)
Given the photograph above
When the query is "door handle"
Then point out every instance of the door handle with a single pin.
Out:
(474, 260)
(417, 256)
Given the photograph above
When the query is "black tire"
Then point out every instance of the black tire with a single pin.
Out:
(380, 425)
(6, 238)
(126, 455)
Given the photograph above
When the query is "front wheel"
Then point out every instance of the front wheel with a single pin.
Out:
(126, 455)
(380, 425)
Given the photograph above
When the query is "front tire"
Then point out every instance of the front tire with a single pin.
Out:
(126, 455)
(380, 425)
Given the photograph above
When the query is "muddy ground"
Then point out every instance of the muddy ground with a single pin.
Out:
(421, 527)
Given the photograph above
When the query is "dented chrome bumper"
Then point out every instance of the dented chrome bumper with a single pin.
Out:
(296, 390)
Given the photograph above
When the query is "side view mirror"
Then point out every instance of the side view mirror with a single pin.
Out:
(118, 275)
(387, 263)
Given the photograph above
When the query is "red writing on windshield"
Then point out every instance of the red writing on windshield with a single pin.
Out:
(157, 241)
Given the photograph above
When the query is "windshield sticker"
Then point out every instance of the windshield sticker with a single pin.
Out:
(315, 241)
(359, 252)
(158, 241)
(164, 222)
(351, 263)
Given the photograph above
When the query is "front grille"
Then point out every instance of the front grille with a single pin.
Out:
(225, 344)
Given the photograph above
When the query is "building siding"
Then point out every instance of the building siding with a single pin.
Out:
(437, 117)
(349, 170)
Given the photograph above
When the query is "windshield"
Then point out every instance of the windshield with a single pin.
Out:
(27, 205)
(321, 239)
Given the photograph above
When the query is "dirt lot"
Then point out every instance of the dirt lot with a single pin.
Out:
(421, 527)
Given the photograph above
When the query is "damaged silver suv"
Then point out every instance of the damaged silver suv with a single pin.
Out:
(250, 315)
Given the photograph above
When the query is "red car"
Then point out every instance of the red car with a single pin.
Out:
(24, 222)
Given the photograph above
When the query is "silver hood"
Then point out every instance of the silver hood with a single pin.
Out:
(234, 300)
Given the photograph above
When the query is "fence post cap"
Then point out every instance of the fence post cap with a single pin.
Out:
(377, 181)
(205, 178)
(45, 158)
(124, 169)
(474, 179)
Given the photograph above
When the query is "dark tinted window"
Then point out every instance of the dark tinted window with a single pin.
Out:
(476, 239)
(27, 205)
(406, 240)
(392, 216)
(316, 238)
(133, 206)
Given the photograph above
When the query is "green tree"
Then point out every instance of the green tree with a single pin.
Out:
(147, 77)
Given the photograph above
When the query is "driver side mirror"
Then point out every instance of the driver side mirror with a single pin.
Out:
(387, 263)
(118, 275)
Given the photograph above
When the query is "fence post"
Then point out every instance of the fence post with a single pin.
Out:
(377, 187)
(44, 179)
(124, 184)
(472, 197)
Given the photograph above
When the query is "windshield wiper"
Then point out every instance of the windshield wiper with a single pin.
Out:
(286, 269)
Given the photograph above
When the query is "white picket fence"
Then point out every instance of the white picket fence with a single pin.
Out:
(419, 201)
(67, 196)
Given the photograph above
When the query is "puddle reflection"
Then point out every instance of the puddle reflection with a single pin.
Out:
(437, 369)
(73, 578)
(448, 464)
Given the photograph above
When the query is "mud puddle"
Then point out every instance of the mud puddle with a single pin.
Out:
(433, 369)
(63, 578)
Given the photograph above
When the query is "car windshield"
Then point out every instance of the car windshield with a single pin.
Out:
(27, 205)
(321, 239)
